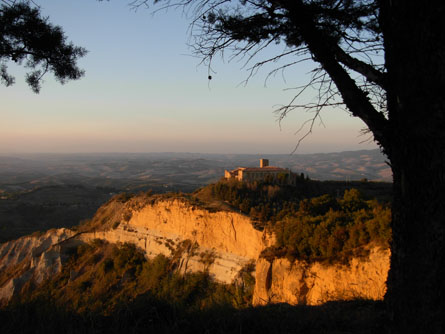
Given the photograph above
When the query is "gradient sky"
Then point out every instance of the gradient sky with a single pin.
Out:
(144, 92)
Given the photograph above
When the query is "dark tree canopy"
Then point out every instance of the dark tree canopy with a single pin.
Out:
(28, 38)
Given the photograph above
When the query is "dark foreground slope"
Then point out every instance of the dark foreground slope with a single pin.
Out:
(150, 315)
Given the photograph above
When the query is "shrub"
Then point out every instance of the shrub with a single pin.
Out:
(106, 266)
(127, 256)
(124, 197)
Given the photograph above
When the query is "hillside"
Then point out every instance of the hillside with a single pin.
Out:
(49, 207)
(194, 253)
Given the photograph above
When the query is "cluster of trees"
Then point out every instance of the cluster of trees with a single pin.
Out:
(333, 229)
(262, 200)
(322, 228)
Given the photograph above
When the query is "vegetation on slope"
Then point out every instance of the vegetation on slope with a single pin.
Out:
(332, 229)
(101, 278)
(107, 288)
(322, 228)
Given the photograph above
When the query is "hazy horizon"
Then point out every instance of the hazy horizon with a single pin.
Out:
(175, 153)
(143, 91)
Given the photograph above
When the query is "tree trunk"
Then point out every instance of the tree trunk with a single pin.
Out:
(416, 278)
(415, 59)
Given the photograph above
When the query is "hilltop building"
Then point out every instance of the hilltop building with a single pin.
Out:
(262, 173)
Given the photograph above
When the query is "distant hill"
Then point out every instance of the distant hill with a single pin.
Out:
(41, 191)
(164, 172)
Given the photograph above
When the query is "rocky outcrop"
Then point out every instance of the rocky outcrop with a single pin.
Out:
(280, 281)
(224, 231)
(220, 242)
(32, 258)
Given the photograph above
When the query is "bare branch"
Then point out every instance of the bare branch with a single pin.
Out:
(244, 29)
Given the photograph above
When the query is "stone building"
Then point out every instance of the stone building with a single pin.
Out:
(250, 174)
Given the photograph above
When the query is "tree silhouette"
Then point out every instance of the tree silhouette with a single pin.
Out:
(28, 38)
(384, 61)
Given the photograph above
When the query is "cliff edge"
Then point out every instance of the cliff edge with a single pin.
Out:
(221, 242)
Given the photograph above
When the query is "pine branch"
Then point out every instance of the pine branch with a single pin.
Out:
(368, 71)
(321, 48)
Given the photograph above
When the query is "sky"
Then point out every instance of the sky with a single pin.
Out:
(145, 91)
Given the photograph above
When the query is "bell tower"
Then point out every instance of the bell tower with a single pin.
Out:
(264, 163)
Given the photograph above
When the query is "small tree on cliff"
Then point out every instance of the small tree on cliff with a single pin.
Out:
(401, 102)
(26, 36)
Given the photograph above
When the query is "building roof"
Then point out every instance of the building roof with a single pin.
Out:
(264, 169)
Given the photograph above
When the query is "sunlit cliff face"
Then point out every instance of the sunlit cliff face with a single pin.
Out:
(220, 242)
(281, 281)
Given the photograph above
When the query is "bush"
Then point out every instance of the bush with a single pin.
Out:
(124, 197)
(127, 256)
(106, 266)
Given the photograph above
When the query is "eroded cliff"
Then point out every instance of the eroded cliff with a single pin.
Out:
(222, 242)
(282, 281)
(32, 259)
